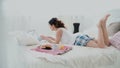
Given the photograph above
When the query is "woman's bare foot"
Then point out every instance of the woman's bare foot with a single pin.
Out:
(104, 20)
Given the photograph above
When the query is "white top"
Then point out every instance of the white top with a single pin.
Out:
(67, 37)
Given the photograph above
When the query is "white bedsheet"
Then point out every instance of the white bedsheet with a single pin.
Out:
(80, 57)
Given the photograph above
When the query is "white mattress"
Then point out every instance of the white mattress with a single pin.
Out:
(78, 57)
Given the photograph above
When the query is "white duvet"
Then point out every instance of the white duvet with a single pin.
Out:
(80, 57)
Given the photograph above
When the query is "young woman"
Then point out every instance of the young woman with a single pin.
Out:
(65, 37)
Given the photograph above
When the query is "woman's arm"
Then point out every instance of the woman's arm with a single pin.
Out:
(44, 37)
(48, 38)
(54, 40)
(51, 38)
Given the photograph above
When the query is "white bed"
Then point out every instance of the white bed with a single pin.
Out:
(78, 57)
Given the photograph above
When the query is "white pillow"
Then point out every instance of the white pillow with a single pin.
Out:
(113, 28)
(26, 38)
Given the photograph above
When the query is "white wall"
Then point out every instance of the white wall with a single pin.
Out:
(35, 14)
(3, 58)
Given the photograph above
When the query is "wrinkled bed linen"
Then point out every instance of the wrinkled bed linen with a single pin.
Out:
(83, 57)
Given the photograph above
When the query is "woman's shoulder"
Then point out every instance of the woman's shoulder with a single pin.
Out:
(62, 29)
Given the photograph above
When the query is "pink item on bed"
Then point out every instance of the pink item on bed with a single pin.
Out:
(115, 40)
(53, 52)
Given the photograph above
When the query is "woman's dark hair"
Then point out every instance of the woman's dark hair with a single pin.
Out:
(57, 23)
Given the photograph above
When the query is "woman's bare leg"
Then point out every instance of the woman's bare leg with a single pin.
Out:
(105, 33)
(100, 39)
(99, 42)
